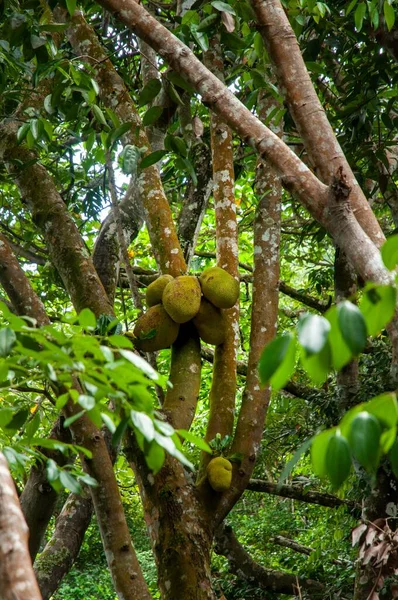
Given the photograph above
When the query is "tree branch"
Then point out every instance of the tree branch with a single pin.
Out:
(298, 492)
(242, 565)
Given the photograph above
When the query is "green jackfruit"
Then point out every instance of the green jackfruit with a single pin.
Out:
(181, 298)
(154, 291)
(219, 287)
(210, 324)
(154, 330)
(219, 474)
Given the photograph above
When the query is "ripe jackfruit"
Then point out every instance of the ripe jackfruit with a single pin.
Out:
(154, 291)
(154, 330)
(210, 324)
(219, 474)
(181, 298)
(219, 287)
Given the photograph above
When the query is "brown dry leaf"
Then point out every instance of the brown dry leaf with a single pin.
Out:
(370, 553)
(228, 22)
(370, 534)
(357, 533)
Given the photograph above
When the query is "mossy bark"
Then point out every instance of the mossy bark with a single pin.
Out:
(178, 526)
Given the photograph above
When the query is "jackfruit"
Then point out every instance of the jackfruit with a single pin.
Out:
(210, 324)
(154, 291)
(219, 287)
(181, 298)
(154, 330)
(219, 474)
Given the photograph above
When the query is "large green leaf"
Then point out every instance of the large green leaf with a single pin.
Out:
(7, 341)
(313, 333)
(352, 326)
(337, 459)
(378, 306)
(364, 438)
(277, 361)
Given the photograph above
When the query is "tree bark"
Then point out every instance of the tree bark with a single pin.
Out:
(62, 549)
(17, 580)
(223, 385)
(255, 400)
(178, 526)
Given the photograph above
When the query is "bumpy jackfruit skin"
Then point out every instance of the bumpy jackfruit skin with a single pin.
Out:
(219, 474)
(181, 298)
(219, 287)
(155, 330)
(210, 324)
(154, 291)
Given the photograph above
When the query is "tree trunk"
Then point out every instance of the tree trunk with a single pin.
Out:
(17, 580)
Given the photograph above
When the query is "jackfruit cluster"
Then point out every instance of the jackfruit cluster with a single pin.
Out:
(174, 301)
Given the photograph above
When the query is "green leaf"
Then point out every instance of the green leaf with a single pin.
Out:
(179, 81)
(7, 341)
(200, 37)
(174, 95)
(352, 326)
(384, 408)
(223, 7)
(22, 132)
(207, 23)
(195, 440)
(52, 470)
(108, 422)
(6, 415)
(87, 402)
(69, 482)
(144, 424)
(154, 457)
(74, 418)
(360, 12)
(71, 6)
(318, 451)
(389, 252)
(99, 115)
(277, 361)
(152, 158)
(87, 319)
(33, 426)
(378, 306)
(149, 92)
(341, 354)
(120, 341)
(364, 439)
(18, 419)
(351, 5)
(317, 365)
(152, 115)
(313, 333)
(301, 450)
(337, 459)
(140, 363)
(389, 14)
(393, 456)
(88, 480)
(168, 444)
(120, 431)
(117, 133)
